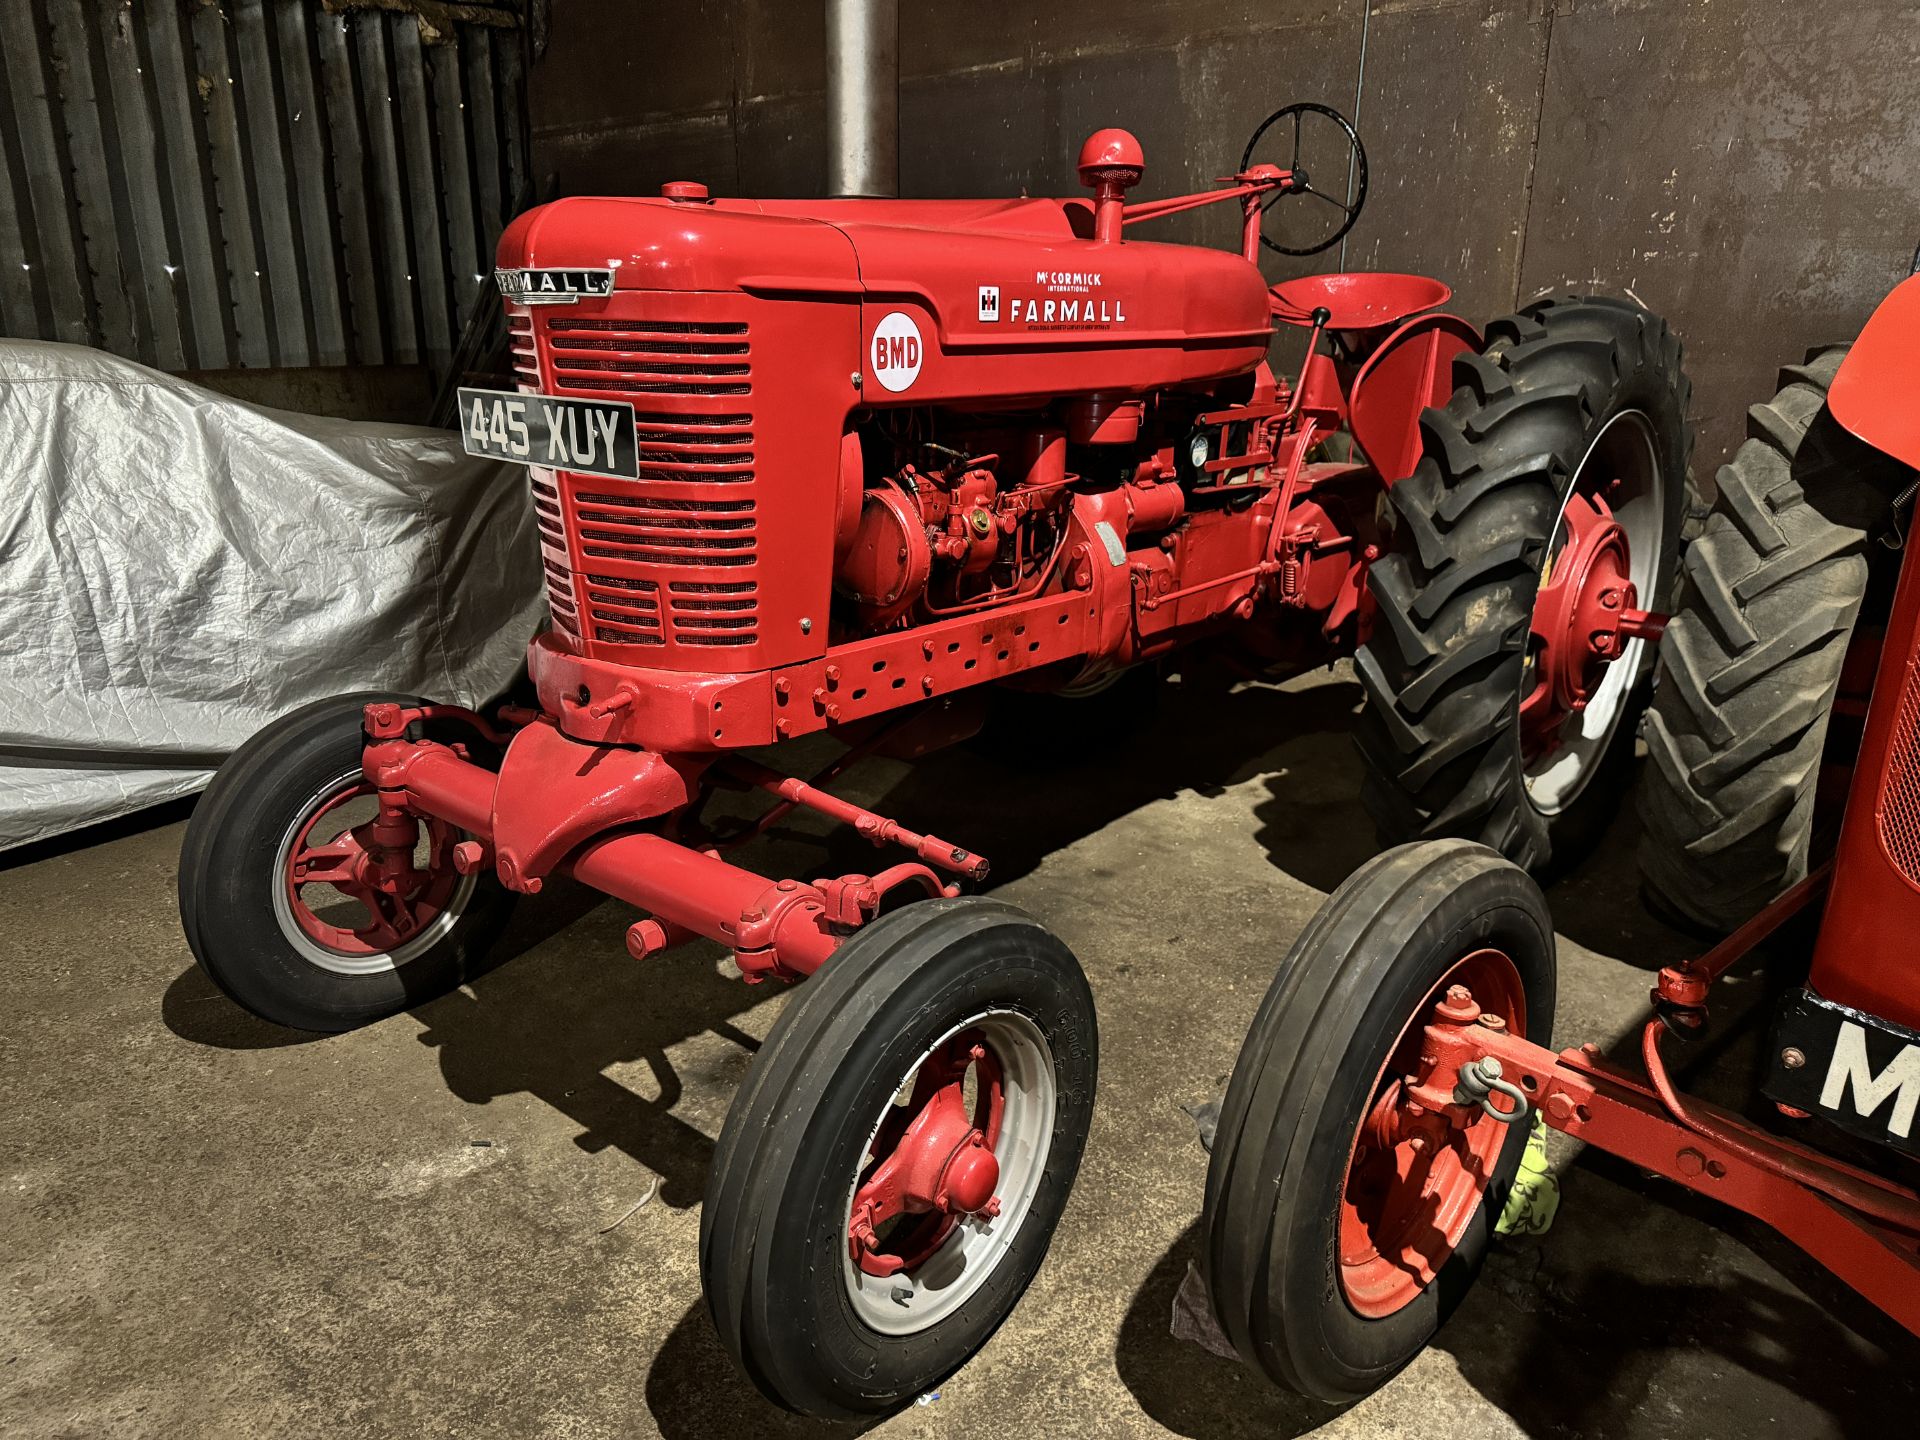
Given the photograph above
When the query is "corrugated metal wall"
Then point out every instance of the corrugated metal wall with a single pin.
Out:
(204, 184)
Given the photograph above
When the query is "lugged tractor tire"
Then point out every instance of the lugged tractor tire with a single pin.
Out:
(1449, 650)
(1751, 661)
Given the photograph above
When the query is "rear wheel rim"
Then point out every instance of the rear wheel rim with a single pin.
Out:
(1403, 1212)
(1622, 468)
(946, 1258)
(331, 926)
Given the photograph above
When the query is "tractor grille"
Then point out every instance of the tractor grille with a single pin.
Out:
(1900, 800)
(670, 558)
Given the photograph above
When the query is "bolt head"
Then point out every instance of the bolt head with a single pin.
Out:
(1793, 1058)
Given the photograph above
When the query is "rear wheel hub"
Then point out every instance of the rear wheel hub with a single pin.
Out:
(1583, 652)
(1583, 615)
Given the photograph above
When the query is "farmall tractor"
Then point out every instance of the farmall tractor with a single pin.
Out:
(841, 466)
(1379, 1107)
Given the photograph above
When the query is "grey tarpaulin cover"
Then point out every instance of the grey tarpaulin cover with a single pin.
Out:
(178, 568)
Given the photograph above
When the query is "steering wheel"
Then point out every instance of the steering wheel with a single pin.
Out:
(1348, 211)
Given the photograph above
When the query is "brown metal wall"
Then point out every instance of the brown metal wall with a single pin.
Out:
(1750, 168)
(208, 184)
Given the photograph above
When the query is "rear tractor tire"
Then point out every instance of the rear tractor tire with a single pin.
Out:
(1751, 663)
(1340, 1233)
(892, 1170)
(1552, 484)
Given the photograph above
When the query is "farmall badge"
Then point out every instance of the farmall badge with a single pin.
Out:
(1061, 300)
(553, 287)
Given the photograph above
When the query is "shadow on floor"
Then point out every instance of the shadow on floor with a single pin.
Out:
(695, 1392)
(1578, 1355)
(1190, 1390)
(1628, 1301)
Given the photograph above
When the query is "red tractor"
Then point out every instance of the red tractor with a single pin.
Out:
(844, 465)
(1374, 1121)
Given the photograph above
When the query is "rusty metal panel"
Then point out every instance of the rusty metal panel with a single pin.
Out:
(1452, 163)
(1749, 173)
(237, 183)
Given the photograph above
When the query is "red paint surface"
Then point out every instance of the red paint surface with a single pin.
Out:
(1876, 395)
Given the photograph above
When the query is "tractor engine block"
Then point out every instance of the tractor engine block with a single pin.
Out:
(941, 531)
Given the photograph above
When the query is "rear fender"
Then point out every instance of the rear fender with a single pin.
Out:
(1876, 394)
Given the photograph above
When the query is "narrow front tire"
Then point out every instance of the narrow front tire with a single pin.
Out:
(891, 1173)
(275, 892)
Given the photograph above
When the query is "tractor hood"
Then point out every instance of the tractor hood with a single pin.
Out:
(966, 281)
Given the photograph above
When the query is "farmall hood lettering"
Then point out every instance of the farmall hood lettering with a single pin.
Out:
(553, 287)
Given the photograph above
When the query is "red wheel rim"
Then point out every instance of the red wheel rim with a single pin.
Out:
(1585, 646)
(1404, 1204)
(344, 863)
(921, 1139)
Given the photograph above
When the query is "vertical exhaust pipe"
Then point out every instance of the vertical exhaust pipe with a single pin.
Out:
(863, 97)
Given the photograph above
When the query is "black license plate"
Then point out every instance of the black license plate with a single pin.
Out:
(1854, 1069)
(593, 437)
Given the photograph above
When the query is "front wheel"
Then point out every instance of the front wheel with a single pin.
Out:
(891, 1173)
(1342, 1225)
(283, 898)
(1505, 674)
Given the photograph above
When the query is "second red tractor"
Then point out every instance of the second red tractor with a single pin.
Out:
(1381, 1103)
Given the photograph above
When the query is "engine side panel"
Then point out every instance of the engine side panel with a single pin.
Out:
(1003, 319)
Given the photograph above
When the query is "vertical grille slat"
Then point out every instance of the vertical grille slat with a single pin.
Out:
(691, 513)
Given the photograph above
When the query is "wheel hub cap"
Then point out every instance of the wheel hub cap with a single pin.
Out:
(933, 1160)
(1584, 613)
(1417, 1173)
(374, 863)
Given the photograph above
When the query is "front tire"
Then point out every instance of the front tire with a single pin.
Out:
(844, 1280)
(1324, 1269)
(299, 951)
(1568, 397)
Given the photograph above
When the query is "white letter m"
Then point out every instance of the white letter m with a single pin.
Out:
(1901, 1078)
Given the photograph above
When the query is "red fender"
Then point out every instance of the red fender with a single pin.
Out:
(1873, 395)
(1412, 369)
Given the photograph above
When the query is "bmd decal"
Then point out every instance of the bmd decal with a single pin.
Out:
(895, 353)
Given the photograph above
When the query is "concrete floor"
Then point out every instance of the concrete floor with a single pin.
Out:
(210, 1227)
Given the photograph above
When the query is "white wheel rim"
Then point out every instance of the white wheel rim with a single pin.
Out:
(1555, 780)
(310, 949)
(916, 1300)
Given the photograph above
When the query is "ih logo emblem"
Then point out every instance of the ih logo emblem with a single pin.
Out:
(896, 351)
(989, 302)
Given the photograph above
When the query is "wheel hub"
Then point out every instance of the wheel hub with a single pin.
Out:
(933, 1160)
(1584, 614)
(374, 863)
(1420, 1164)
